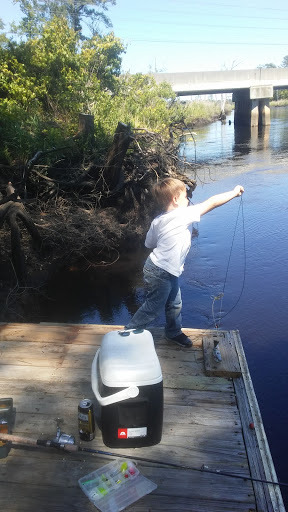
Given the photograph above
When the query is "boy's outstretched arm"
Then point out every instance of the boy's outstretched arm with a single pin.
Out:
(219, 199)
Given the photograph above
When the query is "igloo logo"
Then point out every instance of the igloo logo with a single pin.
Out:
(122, 433)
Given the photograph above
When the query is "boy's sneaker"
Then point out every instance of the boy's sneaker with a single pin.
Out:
(182, 340)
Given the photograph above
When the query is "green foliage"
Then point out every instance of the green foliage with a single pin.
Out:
(38, 12)
(3, 37)
(46, 81)
(285, 62)
(269, 65)
(53, 61)
(194, 111)
(142, 103)
(17, 88)
(282, 95)
(100, 61)
(280, 103)
(52, 78)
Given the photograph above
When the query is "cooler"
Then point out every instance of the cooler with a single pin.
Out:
(128, 385)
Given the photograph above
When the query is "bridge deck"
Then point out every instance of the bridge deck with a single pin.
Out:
(46, 370)
(213, 82)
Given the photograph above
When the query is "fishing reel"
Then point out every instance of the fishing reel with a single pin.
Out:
(62, 438)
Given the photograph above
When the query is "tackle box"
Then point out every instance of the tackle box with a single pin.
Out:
(115, 486)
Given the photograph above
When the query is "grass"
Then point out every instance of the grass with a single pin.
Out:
(279, 103)
(203, 111)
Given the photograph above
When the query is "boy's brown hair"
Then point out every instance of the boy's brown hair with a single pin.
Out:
(165, 190)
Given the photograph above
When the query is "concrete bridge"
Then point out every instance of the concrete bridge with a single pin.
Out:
(251, 88)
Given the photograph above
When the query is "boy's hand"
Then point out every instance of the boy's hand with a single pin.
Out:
(238, 190)
(219, 199)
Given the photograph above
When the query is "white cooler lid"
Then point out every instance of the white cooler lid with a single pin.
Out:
(129, 359)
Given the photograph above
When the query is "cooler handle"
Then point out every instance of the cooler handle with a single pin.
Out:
(126, 393)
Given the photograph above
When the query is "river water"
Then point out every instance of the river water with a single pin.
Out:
(240, 248)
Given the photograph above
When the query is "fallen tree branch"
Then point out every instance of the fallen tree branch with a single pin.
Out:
(113, 173)
(12, 212)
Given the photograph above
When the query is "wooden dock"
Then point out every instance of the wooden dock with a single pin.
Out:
(209, 409)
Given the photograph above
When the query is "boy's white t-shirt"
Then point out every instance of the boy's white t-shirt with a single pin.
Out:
(170, 238)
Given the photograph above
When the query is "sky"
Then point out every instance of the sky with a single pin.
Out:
(193, 35)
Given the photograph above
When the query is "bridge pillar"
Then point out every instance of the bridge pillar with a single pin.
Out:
(264, 112)
(246, 110)
(252, 106)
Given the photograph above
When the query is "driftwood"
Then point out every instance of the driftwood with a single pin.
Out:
(85, 129)
(113, 170)
(12, 212)
(86, 125)
(30, 164)
(104, 179)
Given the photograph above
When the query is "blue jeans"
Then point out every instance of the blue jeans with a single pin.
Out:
(162, 292)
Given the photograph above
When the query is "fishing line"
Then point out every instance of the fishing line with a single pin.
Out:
(221, 295)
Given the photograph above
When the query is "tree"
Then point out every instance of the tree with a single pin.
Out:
(66, 70)
(37, 12)
(46, 81)
(101, 59)
(285, 62)
(3, 38)
(269, 65)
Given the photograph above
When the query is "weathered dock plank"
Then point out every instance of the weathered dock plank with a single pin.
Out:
(255, 438)
(45, 368)
(229, 365)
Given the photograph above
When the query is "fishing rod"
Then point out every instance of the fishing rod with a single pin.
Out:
(73, 448)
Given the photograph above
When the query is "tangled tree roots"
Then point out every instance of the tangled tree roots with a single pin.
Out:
(86, 214)
(13, 212)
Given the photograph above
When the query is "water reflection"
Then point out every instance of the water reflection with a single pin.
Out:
(218, 142)
(242, 138)
(279, 121)
(103, 295)
(217, 138)
(251, 138)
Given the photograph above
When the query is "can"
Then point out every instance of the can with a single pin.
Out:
(86, 420)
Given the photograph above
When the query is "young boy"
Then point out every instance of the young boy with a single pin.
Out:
(169, 238)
